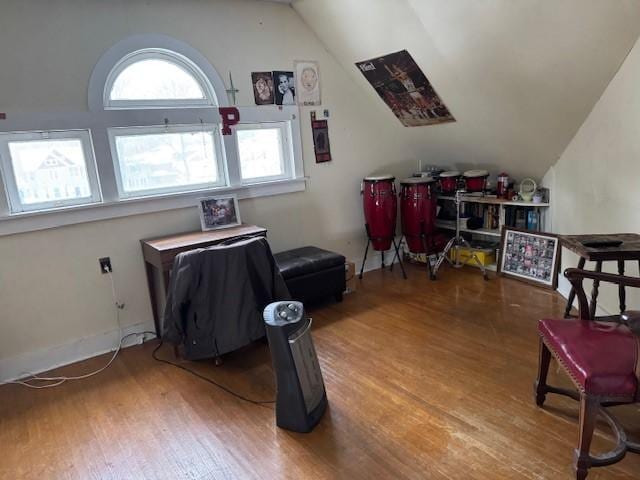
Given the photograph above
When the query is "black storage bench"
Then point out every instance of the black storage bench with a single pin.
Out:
(312, 273)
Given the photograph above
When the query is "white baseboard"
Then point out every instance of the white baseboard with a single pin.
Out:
(20, 366)
(374, 260)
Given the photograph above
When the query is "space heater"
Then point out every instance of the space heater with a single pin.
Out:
(301, 398)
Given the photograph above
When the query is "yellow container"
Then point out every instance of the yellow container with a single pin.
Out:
(486, 256)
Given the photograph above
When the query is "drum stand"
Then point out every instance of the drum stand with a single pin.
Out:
(397, 254)
(455, 243)
(423, 239)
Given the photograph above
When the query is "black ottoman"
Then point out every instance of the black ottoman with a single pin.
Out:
(312, 273)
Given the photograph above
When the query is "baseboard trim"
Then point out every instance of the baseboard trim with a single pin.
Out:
(20, 366)
(374, 260)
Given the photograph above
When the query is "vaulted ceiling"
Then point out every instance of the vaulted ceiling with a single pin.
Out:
(519, 76)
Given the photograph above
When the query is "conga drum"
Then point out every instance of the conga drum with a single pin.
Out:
(380, 209)
(475, 180)
(449, 181)
(417, 211)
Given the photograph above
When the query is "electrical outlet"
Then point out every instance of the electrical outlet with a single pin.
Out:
(105, 265)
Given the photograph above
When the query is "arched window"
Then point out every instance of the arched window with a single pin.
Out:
(168, 158)
(157, 78)
(152, 133)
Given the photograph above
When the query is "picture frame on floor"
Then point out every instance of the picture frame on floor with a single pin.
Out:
(219, 212)
(531, 257)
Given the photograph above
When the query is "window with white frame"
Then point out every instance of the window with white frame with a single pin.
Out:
(151, 141)
(153, 160)
(264, 151)
(156, 78)
(44, 170)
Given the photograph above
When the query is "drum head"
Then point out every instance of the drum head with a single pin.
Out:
(379, 178)
(476, 173)
(450, 173)
(416, 180)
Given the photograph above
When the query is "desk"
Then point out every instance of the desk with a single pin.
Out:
(158, 254)
(628, 250)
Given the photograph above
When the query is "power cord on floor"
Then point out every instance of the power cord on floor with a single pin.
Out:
(260, 403)
(50, 382)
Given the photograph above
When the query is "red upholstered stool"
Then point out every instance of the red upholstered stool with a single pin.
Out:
(603, 361)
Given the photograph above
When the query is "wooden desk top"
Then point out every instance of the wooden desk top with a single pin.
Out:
(162, 251)
(628, 250)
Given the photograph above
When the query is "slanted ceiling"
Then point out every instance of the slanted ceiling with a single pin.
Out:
(519, 76)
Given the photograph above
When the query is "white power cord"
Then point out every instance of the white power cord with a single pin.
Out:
(62, 379)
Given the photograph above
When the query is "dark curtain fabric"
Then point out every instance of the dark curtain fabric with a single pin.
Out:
(217, 295)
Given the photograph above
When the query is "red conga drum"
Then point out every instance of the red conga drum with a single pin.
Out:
(380, 209)
(417, 210)
(475, 180)
(449, 181)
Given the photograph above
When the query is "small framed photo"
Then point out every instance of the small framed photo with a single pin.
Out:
(532, 257)
(219, 212)
(284, 84)
(262, 87)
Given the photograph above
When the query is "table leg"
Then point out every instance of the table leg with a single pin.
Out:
(621, 292)
(572, 293)
(165, 277)
(594, 292)
(151, 283)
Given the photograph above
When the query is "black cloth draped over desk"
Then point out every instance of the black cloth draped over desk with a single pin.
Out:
(217, 295)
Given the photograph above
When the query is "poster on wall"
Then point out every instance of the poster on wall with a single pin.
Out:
(532, 257)
(262, 87)
(321, 147)
(400, 83)
(285, 87)
(308, 82)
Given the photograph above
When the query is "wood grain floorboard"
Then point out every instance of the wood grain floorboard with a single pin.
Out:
(425, 380)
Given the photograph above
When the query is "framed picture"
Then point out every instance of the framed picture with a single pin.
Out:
(532, 257)
(262, 87)
(307, 82)
(284, 85)
(219, 212)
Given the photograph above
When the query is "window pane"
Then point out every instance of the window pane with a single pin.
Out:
(49, 170)
(166, 160)
(260, 153)
(155, 79)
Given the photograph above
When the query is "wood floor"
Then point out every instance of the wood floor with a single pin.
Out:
(425, 380)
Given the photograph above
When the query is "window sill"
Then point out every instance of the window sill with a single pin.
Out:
(42, 220)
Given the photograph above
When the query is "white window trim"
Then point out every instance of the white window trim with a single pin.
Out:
(149, 41)
(286, 150)
(11, 186)
(35, 221)
(175, 58)
(99, 120)
(112, 206)
(158, 129)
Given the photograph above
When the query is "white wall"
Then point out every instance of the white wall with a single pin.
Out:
(51, 291)
(519, 76)
(595, 181)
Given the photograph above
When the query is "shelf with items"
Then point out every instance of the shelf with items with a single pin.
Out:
(422, 258)
(482, 218)
(501, 212)
(491, 214)
(493, 200)
(451, 225)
